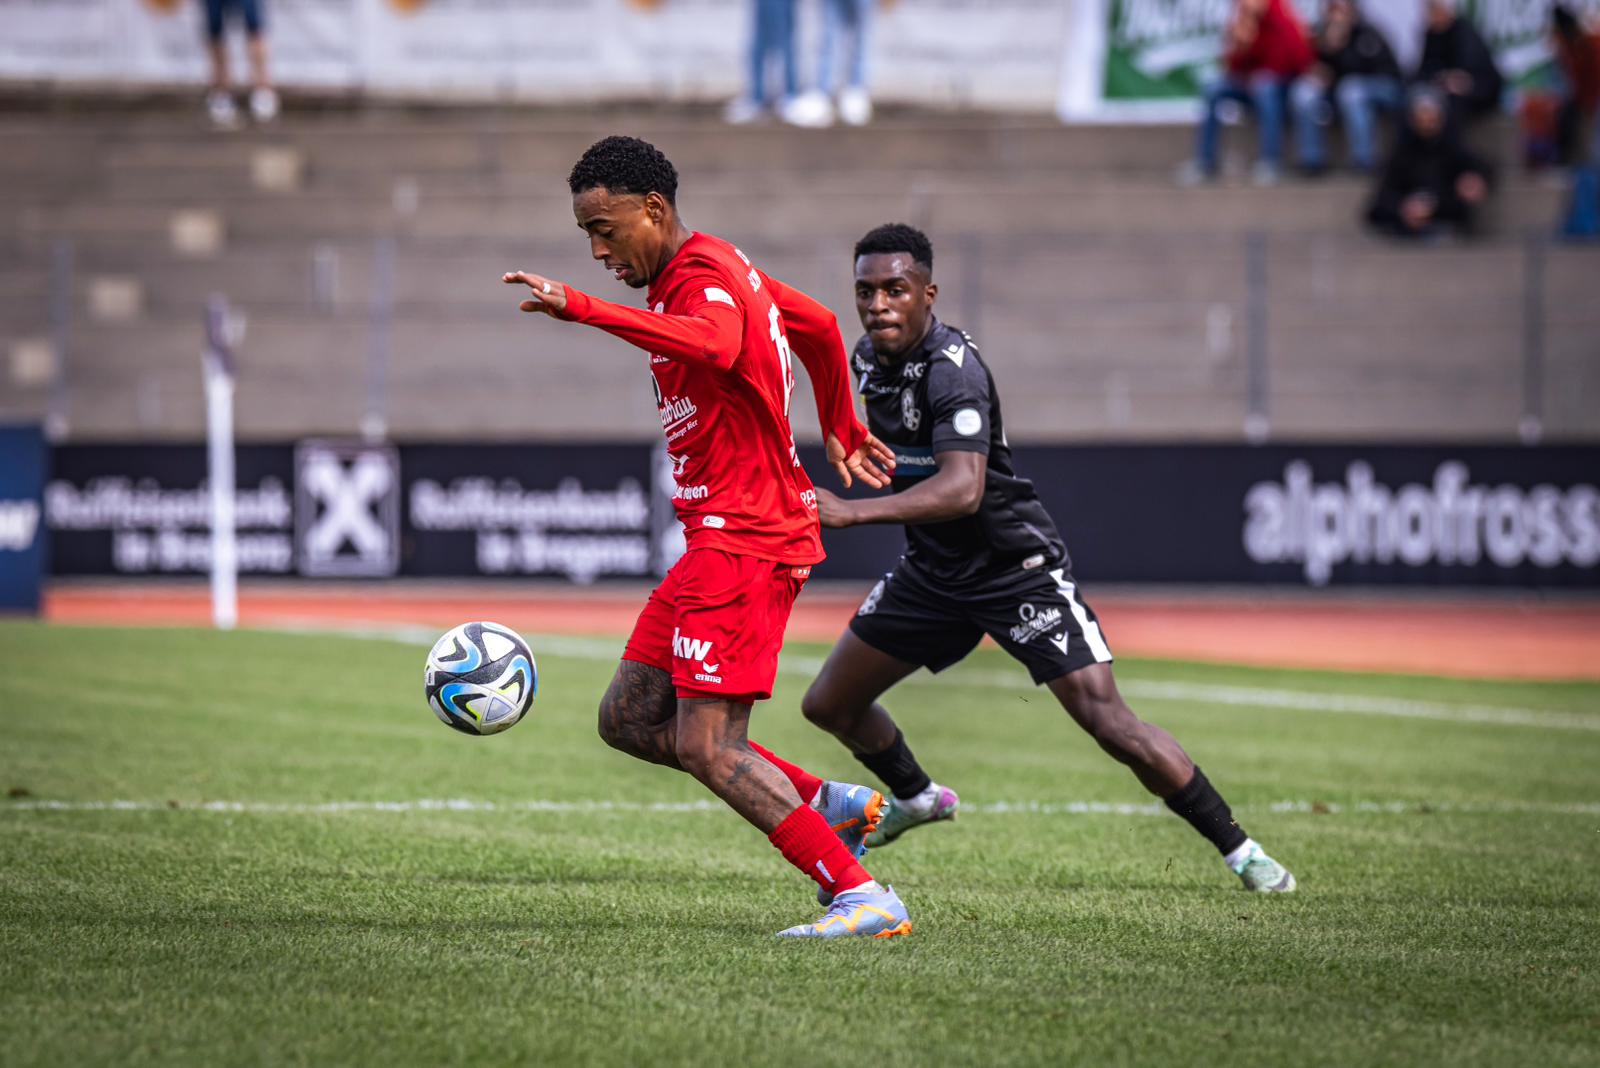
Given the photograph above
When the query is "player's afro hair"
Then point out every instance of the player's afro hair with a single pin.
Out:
(898, 237)
(625, 165)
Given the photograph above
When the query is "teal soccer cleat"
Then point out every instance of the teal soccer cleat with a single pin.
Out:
(869, 911)
(898, 819)
(1263, 875)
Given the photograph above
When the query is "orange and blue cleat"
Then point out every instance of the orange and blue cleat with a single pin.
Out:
(853, 812)
(867, 911)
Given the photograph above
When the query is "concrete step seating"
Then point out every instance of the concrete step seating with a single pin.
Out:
(1111, 302)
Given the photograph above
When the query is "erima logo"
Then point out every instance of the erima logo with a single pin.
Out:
(19, 520)
(721, 296)
(691, 648)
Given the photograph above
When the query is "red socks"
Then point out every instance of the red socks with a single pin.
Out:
(806, 841)
(804, 837)
(805, 783)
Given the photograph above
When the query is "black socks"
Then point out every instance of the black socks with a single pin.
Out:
(1207, 812)
(897, 769)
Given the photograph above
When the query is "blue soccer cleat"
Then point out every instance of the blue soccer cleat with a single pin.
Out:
(868, 911)
(853, 812)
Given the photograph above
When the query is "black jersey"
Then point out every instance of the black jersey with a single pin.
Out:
(941, 398)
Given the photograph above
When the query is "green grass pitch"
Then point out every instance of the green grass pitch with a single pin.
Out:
(1458, 925)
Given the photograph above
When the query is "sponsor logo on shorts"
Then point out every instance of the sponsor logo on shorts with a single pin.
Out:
(1037, 621)
(691, 493)
(687, 648)
(809, 499)
(708, 673)
(715, 522)
(870, 605)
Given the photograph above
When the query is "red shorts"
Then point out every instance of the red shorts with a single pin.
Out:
(716, 624)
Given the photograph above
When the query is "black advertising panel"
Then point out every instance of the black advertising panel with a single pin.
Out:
(1322, 515)
(581, 512)
(1326, 515)
(145, 510)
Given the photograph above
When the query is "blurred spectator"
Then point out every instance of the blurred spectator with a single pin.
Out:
(1577, 51)
(1456, 59)
(771, 37)
(219, 101)
(1431, 184)
(1266, 49)
(846, 32)
(1355, 68)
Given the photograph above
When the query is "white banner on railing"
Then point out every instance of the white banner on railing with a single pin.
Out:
(997, 54)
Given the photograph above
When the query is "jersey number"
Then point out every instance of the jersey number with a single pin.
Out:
(785, 368)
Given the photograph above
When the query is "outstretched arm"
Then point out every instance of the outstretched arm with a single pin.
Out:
(712, 333)
(955, 490)
(814, 336)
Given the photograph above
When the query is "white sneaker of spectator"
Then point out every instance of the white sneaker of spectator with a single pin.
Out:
(855, 106)
(221, 108)
(810, 109)
(1265, 174)
(263, 104)
(742, 111)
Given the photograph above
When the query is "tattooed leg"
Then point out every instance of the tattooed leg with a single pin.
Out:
(637, 714)
(713, 745)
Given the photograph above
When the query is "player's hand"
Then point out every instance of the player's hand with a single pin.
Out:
(548, 296)
(872, 463)
(833, 511)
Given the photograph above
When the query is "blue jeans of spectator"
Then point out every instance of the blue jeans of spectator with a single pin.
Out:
(1263, 92)
(249, 11)
(841, 17)
(773, 35)
(1360, 98)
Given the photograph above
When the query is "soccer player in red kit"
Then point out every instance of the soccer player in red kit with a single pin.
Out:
(722, 337)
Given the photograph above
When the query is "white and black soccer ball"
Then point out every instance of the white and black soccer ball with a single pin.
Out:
(480, 678)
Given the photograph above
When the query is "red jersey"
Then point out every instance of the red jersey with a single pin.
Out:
(722, 337)
(1280, 46)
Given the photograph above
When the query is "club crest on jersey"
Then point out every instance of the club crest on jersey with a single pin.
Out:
(910, 414)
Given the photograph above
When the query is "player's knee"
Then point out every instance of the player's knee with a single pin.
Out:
(1117, 730)
(819, 707)
(610, 723)
(697, 754)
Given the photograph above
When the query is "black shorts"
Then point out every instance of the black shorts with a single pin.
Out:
(1036, 616)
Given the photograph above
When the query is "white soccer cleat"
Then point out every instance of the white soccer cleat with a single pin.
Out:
(898, 818)
(1263, 875)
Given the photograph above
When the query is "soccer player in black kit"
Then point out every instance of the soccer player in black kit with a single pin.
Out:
(982, 557)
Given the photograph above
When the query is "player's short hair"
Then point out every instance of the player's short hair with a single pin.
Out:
(625, 165)
(898, 237)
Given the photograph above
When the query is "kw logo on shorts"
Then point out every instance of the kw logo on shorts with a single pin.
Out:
(694, 649)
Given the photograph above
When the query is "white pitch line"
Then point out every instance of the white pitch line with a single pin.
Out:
(1179, 692)
(993, 808)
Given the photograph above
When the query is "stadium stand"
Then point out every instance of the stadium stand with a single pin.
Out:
(1119, 306)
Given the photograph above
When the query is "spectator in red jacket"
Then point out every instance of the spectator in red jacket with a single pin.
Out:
(1266, 49)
